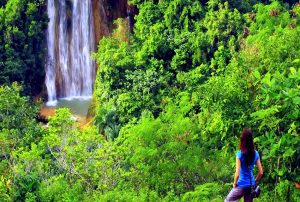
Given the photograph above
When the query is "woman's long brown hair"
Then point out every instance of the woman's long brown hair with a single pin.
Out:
(247, 146)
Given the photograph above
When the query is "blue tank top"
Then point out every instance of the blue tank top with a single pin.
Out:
(244, 177)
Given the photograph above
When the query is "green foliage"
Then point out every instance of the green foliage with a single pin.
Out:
(18, 132)
(237, 65)
(159, 146)
(205, 192)
(172, 41)
(22, 43)
(17, 126)
(57, 188)
(275, 84)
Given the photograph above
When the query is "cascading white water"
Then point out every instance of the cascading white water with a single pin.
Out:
(70, 70)
(81, 46)
(50, 65)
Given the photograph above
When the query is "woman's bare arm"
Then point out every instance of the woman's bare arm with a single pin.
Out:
(260, 171)
(237, 171)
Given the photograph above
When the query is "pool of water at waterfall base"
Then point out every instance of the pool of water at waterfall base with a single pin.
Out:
(77, 105)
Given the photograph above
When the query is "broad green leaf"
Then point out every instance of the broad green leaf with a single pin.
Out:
(257, 74)
(266, 101)
(288, 153)
(267, 79)
(293, 70)
(296, 61)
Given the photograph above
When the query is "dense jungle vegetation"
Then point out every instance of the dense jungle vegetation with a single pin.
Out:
(170, 102)
(23, 43)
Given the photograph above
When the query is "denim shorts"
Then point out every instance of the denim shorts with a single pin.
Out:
(237, 193)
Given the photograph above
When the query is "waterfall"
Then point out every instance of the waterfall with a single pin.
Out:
(69, 68)
(50, 64)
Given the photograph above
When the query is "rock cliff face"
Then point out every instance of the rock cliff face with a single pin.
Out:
(104, 13)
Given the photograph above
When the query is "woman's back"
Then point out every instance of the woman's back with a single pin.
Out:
(245, 170)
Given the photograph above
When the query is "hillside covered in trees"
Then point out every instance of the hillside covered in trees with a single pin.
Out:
(170, 101)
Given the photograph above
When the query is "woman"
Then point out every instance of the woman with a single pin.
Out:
(246, 158)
